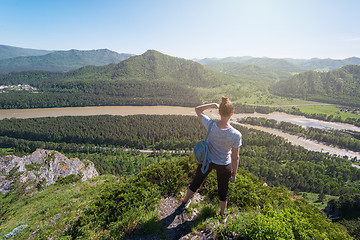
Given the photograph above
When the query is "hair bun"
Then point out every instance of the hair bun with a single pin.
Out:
(225, 100)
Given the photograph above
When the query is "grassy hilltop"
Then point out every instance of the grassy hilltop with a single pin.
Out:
(110, 208)
(127, 202)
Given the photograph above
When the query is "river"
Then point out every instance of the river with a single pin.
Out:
(170, 110)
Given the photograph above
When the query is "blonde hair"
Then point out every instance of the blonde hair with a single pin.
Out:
(226, 107)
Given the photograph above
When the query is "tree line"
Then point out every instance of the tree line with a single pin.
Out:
(101, 93)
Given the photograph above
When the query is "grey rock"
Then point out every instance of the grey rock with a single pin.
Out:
(42, 166)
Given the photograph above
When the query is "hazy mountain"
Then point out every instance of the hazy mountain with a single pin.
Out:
(11, 52)
(249, 72)
(153, 65)
(268, 63)
(324, 64)
(223, 60)
(287, 64)
(340, 86)
(62, 60)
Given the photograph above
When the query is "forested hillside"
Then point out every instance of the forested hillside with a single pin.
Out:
(149, 79)
(340, 86)
(60, 61)
(249, 72)
(108, 207)
(12, 52)
(153, 65)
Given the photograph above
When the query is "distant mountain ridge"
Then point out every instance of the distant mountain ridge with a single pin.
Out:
(12, 52)
(325, 64)
(286, 64)
(60, 61)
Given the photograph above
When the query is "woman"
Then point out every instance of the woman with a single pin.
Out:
(224, 142)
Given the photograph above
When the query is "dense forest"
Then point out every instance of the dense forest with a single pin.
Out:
(343, 139)
(339, 86)
(270, 158)
(99, 93)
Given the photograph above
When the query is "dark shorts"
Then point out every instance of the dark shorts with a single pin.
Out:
(223, 173)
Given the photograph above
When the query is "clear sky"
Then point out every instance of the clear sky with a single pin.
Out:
(187, 28)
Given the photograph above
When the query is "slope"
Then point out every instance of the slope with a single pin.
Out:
(153, 65)
(107, 207)
(62, 60)
(339, 86)
(12, 52)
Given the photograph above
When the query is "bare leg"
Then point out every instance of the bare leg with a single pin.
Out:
(188, 195)
(223, 205)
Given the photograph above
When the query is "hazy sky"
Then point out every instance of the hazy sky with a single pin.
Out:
(187, 28)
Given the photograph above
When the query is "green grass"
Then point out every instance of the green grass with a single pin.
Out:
(6, 151)
(49, 210)
(328, 109)
(267, 99)
(247, 94)
(312, 198)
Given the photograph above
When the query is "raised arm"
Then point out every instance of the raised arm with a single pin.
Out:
(200, 109)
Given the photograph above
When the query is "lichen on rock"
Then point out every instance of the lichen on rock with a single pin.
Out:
(41, 167)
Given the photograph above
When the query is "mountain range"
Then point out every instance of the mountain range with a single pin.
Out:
(152, 78)
(12, 52)
(15, 59)
(289, 65)
(60, 61)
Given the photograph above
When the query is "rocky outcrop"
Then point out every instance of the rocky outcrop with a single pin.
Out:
(41, 168)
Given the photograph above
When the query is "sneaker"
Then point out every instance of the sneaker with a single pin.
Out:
(187, 204)
(183, 206)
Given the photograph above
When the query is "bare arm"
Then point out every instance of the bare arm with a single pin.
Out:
(234, 162)
(200, 109)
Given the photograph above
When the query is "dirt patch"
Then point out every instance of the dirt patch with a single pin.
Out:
(176, 225)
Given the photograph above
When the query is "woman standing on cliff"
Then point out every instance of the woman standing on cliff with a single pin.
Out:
(224, 142)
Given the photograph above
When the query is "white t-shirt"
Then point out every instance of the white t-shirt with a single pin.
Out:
(221, 142)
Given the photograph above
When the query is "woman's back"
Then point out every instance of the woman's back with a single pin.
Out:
(221, 141)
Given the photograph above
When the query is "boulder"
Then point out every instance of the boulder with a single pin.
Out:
(42, 167)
